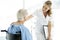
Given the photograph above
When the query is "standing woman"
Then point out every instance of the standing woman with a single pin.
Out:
(47, 14)
(43, 17)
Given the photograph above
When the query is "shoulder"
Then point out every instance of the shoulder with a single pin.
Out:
(37, 12)
(49, 18)
(14, 23)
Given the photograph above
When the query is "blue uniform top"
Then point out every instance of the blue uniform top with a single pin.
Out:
(24, 31)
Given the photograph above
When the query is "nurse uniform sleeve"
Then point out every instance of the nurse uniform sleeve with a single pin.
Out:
(50, 19)
(35, 13)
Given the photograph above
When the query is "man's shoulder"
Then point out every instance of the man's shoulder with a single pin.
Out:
(14, 23)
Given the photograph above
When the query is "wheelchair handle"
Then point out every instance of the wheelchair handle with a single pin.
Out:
(3, 31)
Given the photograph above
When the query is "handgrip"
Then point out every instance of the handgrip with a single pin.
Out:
(3, 31)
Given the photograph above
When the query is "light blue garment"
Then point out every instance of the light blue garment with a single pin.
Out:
(24, 31)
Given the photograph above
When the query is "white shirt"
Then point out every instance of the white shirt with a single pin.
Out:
(39, 21)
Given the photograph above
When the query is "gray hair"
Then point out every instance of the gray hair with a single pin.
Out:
(21, 14)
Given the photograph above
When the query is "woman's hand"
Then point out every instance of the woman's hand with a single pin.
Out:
(49, 38)
(49, 31)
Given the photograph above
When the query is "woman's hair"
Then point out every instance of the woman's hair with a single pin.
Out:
(49, 3)
(21, 14)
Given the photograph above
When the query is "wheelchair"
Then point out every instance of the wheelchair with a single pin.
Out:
(9, 36)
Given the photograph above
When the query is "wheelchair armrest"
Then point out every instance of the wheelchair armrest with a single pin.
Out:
(3, 31)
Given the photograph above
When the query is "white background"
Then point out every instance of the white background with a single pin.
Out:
(9, 8)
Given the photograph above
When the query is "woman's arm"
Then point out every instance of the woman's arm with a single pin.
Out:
(22, 21)
(49, 30)
(28, 17)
